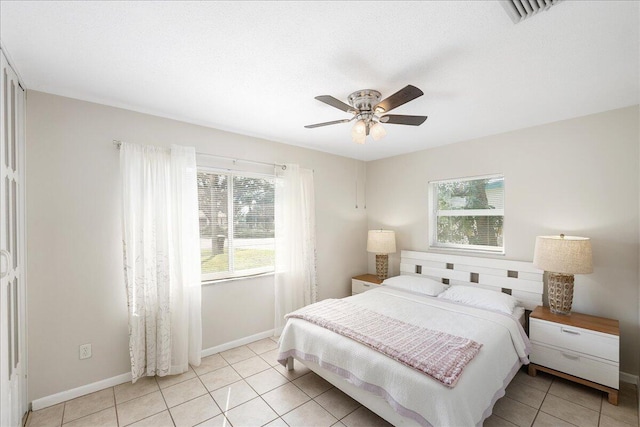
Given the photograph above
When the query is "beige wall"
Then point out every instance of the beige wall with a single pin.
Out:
(575, 176)
(75, 282)
(578, 177)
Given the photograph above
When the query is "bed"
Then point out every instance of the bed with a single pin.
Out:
(401, 394)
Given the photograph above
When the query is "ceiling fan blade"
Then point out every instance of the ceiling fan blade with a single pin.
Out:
(404, 95)
(396, 119)
(330, 100)
(335, 122)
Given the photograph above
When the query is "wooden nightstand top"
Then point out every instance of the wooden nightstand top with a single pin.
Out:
(578, 320)
(372, 278)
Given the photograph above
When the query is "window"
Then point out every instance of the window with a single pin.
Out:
(236, 224)
(468, 213)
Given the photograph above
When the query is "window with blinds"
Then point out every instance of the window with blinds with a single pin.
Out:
(468, 213)
(236, 224)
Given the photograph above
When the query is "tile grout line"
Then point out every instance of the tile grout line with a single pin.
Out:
(288, 382)
(258, 394)
(243, 379)
(64, 408)
(601, 406)
(222, 412)
(547, 394)
(545, 397)
(165, 403)
(256, 391)
(62, 423)
(267, 403)
(224, 415)
(115, 404)
(599, 410)
(278, 416)
(210, 391)
(304, 403)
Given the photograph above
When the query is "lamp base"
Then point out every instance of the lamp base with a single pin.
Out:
(382, 266)
(560, 293)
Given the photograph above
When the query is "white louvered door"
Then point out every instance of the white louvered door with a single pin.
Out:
(13, 399)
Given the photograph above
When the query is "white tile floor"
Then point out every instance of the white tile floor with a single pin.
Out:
(245, 386)
(545, 401)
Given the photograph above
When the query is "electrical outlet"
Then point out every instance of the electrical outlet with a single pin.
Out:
(85, 351)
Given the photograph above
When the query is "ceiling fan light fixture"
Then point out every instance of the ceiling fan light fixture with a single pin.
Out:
(359, 139)
(359, 132)
(367, 110)
(359, 128)
(378, 131)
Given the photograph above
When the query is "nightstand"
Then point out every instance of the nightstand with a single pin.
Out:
(363, 283)
(578, 347)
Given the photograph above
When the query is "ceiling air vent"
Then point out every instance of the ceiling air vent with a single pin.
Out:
(519, 10)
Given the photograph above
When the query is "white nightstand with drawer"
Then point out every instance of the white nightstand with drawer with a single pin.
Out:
(363, 283)
(577, 347)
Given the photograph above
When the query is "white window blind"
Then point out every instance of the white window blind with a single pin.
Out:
(236, 224)
(468, 213)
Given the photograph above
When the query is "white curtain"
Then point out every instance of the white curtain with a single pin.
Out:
(295, 274)
(161, 258)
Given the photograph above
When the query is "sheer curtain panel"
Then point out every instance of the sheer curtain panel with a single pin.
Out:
(161, 258)
(295, 270)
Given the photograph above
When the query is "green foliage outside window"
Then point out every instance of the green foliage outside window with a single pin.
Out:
(470, 212)
(246, 227)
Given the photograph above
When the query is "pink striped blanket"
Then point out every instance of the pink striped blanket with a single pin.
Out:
(440, 355)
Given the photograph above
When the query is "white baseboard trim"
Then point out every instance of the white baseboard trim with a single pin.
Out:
(629, 378)
(237, 343)
(632, 379)
(63, 396)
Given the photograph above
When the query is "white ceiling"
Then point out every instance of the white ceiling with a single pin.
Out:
(255, 67)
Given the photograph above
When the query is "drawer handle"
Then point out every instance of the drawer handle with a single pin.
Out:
(569, 331)
(7, 256)
(571, 356)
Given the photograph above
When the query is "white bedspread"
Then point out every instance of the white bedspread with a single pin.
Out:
(410, 393)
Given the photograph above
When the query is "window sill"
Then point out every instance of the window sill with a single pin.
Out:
(235, 279)
(466, 251)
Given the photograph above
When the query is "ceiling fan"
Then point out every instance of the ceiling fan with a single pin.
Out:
(366, 107)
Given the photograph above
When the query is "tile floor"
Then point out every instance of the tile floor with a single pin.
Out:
(245, 386)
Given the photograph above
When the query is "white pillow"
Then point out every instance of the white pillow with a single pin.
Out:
(482, 298)
(423, 285)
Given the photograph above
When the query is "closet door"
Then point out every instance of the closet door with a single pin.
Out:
(13, 400)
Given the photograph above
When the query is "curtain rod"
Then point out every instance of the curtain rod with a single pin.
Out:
(118, 144)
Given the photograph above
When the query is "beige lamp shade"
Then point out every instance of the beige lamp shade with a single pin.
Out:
(563, 254)
(381, 241)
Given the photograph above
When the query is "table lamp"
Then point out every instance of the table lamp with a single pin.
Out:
(562, 256)
(382, 243)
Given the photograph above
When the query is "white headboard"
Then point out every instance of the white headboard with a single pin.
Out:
(519, 279)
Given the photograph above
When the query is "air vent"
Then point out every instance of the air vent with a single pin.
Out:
(519, 10)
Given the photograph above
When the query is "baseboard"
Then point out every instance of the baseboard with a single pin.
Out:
(237, 343)
(629, 378)
(63, 396)
(632, 379)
